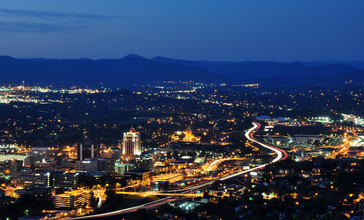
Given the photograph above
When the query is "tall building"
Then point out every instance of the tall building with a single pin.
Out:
(131, 143)
(145, 162)
(87, 150)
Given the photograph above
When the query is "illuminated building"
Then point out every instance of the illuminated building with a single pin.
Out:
(7, 148)
(131, 143)
(114, 153)
(7, 157)
(140, 176)
(121, 168)
(73, 199)
(171, 178)
(42, 178)
(189, 137)
(38, 179)
(321, 119)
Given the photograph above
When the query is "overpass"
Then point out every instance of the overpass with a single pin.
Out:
(162, 194)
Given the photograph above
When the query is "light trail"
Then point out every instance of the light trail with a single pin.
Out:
(281, 155)
(160, 194)
(130, 209)
(100, 200)
(217, 162)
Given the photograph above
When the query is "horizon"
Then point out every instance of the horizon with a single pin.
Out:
(281, 31)
(201, 60)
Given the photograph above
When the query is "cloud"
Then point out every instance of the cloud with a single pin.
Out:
(26, 20)
(54, 14)
(23, 27)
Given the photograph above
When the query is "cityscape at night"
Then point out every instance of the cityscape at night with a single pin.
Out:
(257, 114)
(190, 150)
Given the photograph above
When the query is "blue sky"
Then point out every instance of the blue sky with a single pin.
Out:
(238, 30)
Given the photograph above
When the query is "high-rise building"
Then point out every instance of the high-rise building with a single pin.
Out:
(131, 143)
(87, 150)
(145, 162)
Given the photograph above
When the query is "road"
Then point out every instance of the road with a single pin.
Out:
(216, 163)
(281, 155)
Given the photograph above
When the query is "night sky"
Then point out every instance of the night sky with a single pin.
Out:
(236, 30)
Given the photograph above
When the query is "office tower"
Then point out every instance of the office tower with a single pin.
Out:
(131, 143)
(87, 150)
(145, 162)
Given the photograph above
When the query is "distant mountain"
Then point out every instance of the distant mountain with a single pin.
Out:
(125, 72)
(134, 69)
(276, 73)
(264, 68)
(357, 64)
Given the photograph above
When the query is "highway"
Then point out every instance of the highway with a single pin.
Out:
(216, 163)
(281, 155)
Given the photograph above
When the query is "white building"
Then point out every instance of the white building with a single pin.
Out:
(131, 143)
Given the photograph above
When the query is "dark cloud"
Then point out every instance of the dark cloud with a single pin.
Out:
(53, 14)
(23, 26)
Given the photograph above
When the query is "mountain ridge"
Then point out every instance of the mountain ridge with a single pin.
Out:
(134, 69)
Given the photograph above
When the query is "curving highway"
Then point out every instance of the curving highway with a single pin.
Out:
(281, 155)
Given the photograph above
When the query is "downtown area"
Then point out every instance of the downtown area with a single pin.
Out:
(182, 150)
